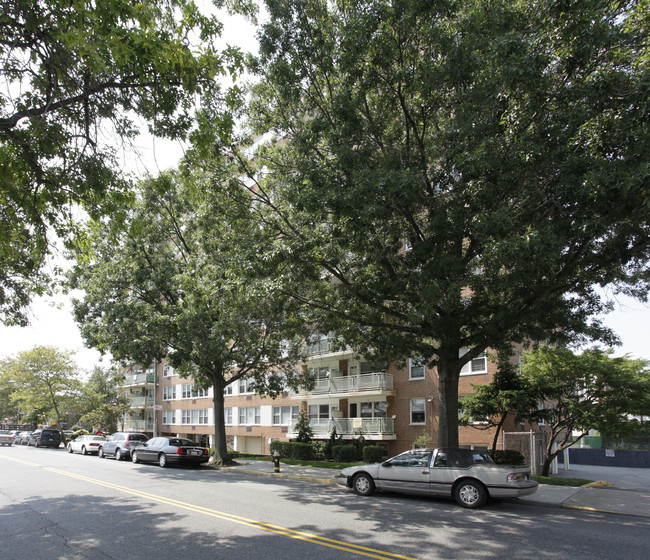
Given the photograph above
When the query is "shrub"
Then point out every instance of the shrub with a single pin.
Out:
(372, 454)
(507, 457)
(345, 453)
(301, 450)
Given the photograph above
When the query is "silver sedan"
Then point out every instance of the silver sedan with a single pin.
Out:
(471, 477)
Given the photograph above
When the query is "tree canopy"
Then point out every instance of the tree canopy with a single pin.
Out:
(45, 380)
(79, 78)
(588, 391)
(454, 176)
(173, 285)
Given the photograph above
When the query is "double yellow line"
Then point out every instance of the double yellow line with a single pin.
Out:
(278, 530)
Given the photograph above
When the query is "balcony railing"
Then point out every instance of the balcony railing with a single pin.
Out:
(138, 426)
(139, 378)
(351, 384)
(141, 401)
(324, 346)
(351, 426)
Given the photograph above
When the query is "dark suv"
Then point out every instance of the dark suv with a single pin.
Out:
(47, 437)
(119, 445)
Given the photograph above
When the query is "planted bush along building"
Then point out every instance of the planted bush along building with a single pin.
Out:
(393, 408)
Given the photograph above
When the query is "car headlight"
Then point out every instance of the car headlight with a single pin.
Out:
(516, 477)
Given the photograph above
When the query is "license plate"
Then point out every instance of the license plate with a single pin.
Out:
(196, 452)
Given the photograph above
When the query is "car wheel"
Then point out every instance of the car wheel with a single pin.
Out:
(69, 448)
(470, 494)
(118, 454)
(100, 453)
(83, 450)
(162, 460)
(134, 457)
(363, 484)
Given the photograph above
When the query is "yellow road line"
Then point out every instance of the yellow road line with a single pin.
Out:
(284, 531)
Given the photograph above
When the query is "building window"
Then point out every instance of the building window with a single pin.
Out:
(368, 409)
(169, 417)
(418, 411)
(227, 390)
(227, 416)
(203, 416)
(186, 390)
(186, 417)
(373, 367)
(476, 366)
(169, 393)
(250, 415)
(168, 371)
(285, 415)
(246, 385)
(319, 412)
(416, 368)
(198, 393)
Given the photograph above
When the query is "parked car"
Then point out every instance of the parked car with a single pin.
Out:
(86, 445)
(120, 444)
(6, 438)
(170, 450)
(471, 477)
(22, 438)
(46, 437)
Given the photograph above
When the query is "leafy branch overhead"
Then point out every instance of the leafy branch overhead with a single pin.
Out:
(79, 78)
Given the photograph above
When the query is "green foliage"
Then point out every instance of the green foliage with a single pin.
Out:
(80, 77)
(373, 454)
(102, 402)
(345, 453)
(588, 391)
(174, 284)
(303, 428)
(473, 170)
(507, 457)
(293, 449)
(45, 382)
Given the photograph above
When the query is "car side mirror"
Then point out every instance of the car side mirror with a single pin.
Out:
(387, 464)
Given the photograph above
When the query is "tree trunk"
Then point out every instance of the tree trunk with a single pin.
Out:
(499, 427)
(448, 377)
(220, 446)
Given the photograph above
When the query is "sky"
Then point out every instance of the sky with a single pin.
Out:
(51, 318)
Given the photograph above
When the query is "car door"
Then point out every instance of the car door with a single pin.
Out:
(149, 451)
(408, 472)
(448, 466)
(117, 440)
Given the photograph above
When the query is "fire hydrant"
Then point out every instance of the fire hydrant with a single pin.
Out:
(276, 461)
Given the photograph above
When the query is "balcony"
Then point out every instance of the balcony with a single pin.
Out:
(324, 346)
(344, 385)
(138, 426)
(140, 402)
(138, 379)
(375, 428)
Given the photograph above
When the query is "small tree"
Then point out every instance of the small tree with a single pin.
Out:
(102, 401)
(587, 391)
(508, 394)
(303, 427)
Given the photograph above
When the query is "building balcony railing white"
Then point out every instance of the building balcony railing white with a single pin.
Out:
(351, 384)
(324, 346)
(138, 426)
(138, 379)
(141, 401)
(350, 426)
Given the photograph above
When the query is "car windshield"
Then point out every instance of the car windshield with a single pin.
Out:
(137, 437)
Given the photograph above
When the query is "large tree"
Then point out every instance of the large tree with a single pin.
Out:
(45, 380)
(79, 80)
(102, 401)
(455, 176)
(588, 391)
(173, 285)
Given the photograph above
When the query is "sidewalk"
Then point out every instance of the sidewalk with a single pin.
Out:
(618, 496)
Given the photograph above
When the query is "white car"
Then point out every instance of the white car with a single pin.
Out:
(471, 477)
(86, 445)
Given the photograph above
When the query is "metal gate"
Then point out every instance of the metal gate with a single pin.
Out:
(531, 445)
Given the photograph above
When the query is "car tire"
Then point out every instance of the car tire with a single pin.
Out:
(69, 448)
(162, 460)
(134, 457)
(118, 454)
(470, 494)
(100, 453)
(363, 484)
(83, 450)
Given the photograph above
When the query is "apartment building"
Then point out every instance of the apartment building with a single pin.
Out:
(389, 406)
